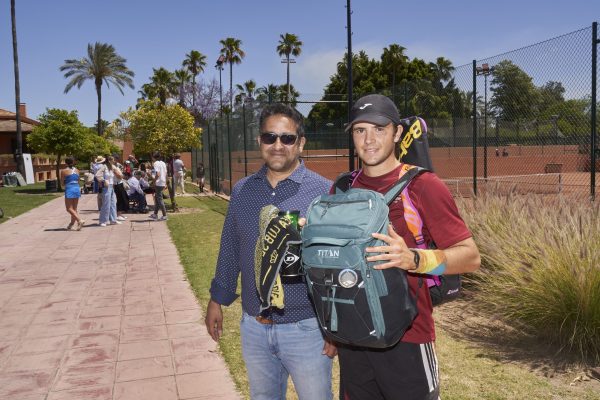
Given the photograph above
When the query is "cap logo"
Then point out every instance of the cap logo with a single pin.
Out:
(365, 106)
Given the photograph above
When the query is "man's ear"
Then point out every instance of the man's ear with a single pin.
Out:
(398, 134)
(301, 143)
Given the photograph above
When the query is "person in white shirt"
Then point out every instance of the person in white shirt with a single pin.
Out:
(160, 182)
(179, 175)
(136, 192)
(106, 178)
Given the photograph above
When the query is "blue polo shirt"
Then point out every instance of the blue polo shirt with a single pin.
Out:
(240, 231)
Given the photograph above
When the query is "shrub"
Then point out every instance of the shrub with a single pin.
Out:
(540, 268)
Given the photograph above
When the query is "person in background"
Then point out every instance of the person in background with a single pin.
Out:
(200, 177)
(160, 182)
(121, 192)
(69, 178)
(136, 192)
(106, 176)
(179, 173)
(96, 165)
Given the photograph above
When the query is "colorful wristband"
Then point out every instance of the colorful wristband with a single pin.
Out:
(431, 262)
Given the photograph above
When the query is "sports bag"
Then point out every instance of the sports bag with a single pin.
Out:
(355, 303)
(442, 288)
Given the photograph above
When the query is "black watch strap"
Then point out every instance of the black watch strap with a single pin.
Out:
(417, 258)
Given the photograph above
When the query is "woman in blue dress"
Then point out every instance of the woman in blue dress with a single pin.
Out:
(69, 177)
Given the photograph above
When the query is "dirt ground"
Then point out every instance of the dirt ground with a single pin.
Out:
(501, 342)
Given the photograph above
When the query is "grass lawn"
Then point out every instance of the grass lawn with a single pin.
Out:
(470, 369)
(20, 199)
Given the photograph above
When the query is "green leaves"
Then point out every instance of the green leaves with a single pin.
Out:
(168, 129)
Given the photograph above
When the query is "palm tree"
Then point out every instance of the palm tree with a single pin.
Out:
(233, 55)
(195, 63)
(268, 93)
(102, 64)
(19, 149)
(246, 92)
(442, 70)
(183, 76)
(163, 83)
(394, 60)
(289, 44)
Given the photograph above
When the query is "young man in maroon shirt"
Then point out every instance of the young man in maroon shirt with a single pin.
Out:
(409, 369)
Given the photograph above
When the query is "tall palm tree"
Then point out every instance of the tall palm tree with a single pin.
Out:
(394, 60)
(233, 55)
(164, 84)
(289, 44)
(442, 71)
(183, 76)
(195, 63)
(102, 64)
(19, 149)
(247, 91)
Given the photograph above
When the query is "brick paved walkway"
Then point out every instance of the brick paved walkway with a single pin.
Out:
(104, 313)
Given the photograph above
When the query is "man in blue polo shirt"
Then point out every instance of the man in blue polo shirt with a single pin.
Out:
(277, 343)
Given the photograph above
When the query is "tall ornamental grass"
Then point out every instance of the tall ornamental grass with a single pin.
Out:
(540, 266)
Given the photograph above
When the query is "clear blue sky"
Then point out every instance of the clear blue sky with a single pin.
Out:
(152, 33)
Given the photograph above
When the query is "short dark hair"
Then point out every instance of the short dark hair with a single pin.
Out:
(286, 110)
(69, 161)
(157, 156)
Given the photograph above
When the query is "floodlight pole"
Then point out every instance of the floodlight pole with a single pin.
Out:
(474, 116)
(288, 62)
(484, 70)
(219, 66)
(350, 82)
(594, 132)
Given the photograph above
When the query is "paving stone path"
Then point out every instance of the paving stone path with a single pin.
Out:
(104, 313)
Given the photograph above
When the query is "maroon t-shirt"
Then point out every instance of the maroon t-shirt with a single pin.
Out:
(442, 224)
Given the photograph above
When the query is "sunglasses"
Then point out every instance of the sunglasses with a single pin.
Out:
(286, 138)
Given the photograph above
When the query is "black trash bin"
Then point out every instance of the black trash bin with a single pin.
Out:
(51, 185)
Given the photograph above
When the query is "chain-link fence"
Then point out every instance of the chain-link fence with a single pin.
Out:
(527, 129)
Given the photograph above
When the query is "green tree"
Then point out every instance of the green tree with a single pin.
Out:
(183, 77)
(59, 133)
(102, 64)
(167, 129)
(233, 54)
(515, 97)
(164, 84)
(246, 92)
(194, 62)
(289, 45)
(442, 70)
(394, 64)
(268, 93)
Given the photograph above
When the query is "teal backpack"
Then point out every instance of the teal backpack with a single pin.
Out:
(355, 303)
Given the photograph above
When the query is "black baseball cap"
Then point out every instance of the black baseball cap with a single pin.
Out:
(375, 109)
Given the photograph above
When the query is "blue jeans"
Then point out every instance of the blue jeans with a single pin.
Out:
(273, 352)
(108, 212)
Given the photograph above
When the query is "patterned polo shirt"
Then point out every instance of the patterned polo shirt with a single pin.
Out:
(240, 231)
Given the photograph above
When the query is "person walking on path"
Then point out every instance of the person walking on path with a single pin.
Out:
(407, 370)
(179, 173)
(275, 343)
(160, 182)
(106, 179)
(69, 178)
(200, 177)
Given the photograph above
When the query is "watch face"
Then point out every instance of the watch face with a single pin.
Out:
(347, 278)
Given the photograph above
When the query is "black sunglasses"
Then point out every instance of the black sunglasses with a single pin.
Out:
(286, 138)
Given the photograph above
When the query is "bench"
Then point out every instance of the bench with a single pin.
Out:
(552, 168)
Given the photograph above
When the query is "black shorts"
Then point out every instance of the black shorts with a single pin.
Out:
(407, 371)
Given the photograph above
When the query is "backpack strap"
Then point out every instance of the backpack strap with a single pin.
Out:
(407, 173)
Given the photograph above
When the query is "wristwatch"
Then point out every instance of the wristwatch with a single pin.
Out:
(416, 260)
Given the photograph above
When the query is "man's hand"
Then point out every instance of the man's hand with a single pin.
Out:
(214, 320)
(396, 252)
(329, 349)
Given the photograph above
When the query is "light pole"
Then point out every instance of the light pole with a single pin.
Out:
(288, 61)
(219, 66)
(484, 70)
